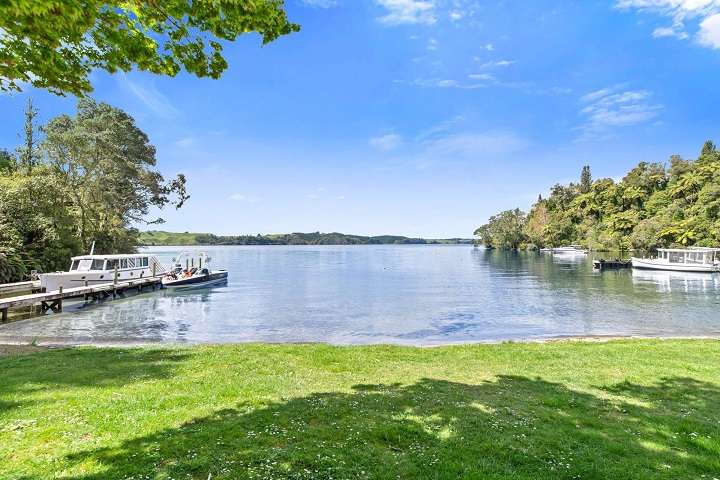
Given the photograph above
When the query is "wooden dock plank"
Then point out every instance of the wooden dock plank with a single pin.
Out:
(74, 292)
(19, 287)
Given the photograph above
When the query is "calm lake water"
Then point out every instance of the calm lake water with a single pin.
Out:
(411, 294)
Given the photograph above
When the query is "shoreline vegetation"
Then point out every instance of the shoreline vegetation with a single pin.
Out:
(163, 238)
(654, 206)
(75, 181)
(562, 410)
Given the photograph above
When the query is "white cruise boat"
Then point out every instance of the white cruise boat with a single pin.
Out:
(692, 259)
(97, 269)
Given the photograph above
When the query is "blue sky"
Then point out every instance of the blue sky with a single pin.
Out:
(421, 117)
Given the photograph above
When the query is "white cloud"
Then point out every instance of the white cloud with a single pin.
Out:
(432, 44)
(496, 63)
(662, 32)
(456, 15)
(388, 142)
(185, 142)
(680, 12)
(477, 80)
(474, 144)
(709, 34)
(403, 12)
(151, 97)
(610, 108)
(319, 3)
(481, 76)
(489, 47)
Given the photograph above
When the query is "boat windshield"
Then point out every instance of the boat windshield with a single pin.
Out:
(87, 264)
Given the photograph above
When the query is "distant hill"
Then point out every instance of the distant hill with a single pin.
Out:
(161, 238)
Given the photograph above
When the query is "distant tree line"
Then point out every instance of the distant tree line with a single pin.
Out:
(654, 205)
(316, 238)
(76, 180)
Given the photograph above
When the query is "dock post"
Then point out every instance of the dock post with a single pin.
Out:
(115, 279)
(85, 295)
(3, 315)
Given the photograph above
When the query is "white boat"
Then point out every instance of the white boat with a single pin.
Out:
(692, 259)
(97, 269)
(570, 250)
(193, 274)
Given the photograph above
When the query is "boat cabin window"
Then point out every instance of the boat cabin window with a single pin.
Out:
(84, 265)
(97, 264)
(74, 265)
(677, 257)
(695, 257)
(123, 263)
(131, 262)
(141, 262)
(111, 264)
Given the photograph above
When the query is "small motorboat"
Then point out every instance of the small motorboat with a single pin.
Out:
(192, 275)
(571, 250)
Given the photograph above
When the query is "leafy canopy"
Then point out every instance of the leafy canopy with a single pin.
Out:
(54, 44)
(94, 179)
(652, 206)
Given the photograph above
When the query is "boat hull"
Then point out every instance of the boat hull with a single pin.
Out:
(645, 264)
(50, 282)
(212, 278)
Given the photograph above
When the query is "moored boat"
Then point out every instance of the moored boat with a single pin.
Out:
(568, 250)
(192, 275)
(97, 269)
(692, 259)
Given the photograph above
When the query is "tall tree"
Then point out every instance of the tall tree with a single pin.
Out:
(708, 148)
(28, 151)
(107, 166)
(7, 162)
(585, 179)
(56, 44)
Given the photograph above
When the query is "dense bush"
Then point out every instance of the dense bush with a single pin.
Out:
(653, 206)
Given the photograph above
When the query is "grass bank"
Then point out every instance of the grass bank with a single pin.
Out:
(566, 410)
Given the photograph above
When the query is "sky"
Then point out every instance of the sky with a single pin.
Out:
(420, 117)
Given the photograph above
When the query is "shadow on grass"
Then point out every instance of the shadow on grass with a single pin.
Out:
(82, 368)
(513, 427)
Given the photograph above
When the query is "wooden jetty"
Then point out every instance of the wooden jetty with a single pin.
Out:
(53, 300)
(603, 264)
(29, 286)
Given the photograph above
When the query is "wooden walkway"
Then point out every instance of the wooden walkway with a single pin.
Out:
(29, 286)
(53, 300)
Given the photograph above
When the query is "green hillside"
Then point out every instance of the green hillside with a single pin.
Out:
(162, 238)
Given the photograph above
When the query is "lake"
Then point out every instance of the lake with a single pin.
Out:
(402, 294)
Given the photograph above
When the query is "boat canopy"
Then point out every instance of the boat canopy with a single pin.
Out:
(691, 255)
(690, 250)
(110, 262)
(111, 257)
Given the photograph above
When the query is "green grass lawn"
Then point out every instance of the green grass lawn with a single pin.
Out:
(567, 410)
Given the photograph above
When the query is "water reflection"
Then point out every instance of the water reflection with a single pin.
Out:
(688, 282)
(397, 294)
